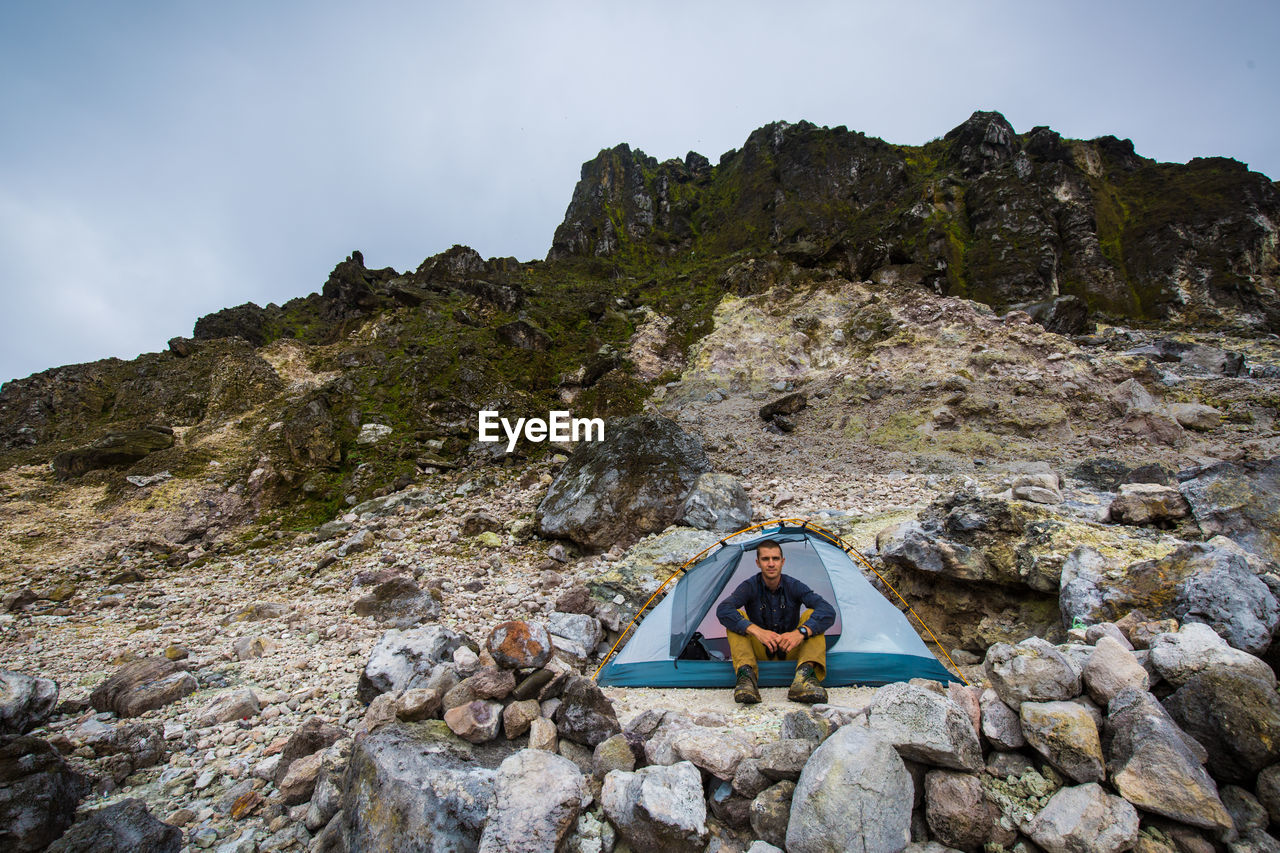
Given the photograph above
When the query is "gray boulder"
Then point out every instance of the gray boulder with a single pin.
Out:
(853, 794)
(38, 793)
(717, 753)
(585, 714)
(785, 759)
(1225, 594)
(807, 725)
(233, 705)
(658, 807)
(1235, 717)
(1064, 733)
(26, 702)
(926, 727)
(1148, 503)
(1239, 500)
(1155, 766)
(537, 797)
(1197, 648)
(143, 686)
(401, 660)
(414, 786)
(1032, 671)
(912, 545)
(399, 603)
(131, 746)
(125, 826)
(716, 502)
(578, 628)
(632, 483)
(1268, 789)
(1085, 819)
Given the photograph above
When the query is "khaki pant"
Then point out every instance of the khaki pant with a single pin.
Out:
(748, 650)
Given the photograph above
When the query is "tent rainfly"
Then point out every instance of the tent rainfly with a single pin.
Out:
(680, 643)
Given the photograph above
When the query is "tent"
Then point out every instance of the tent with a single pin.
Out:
(870, 643)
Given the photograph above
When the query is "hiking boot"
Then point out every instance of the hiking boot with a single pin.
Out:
(805, 687)
(746, 691)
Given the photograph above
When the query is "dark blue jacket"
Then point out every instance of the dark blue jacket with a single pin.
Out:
(777, 611)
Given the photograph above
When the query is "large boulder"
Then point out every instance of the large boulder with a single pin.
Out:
(1064, 733)
(585, 715)
(142, 686)
(854, 794)
(1236, 718)
(398, 603)
(634, 482)
(26, 702)
(1239, 500)
(1032, 671)
(38, 793)
(925, 727)
(537, 797)
(414, 786)
(1111, 668)
(402, 660)
(1085, 819)
(1197, 648)
(658, 807)
(716, 502)
(126, 825)
(1155, 766)
(1224, 593)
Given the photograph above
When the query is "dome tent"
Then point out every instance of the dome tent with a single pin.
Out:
(870, 643)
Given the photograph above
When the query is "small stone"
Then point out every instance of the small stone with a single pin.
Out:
(477, 722)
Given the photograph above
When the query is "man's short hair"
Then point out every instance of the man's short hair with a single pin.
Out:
(769, 543)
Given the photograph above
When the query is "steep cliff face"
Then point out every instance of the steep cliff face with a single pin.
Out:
(983, 212)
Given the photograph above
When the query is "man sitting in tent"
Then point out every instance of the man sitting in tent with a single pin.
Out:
(765, 618)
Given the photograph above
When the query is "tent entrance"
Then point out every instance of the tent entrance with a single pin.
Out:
(695, 609)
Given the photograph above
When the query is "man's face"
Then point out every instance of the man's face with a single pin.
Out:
(770, 561)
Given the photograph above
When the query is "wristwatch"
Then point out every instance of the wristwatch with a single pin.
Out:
(804, 629)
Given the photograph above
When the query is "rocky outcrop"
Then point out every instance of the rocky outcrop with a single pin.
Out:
(142, 686)
(631, 483)
(114, 450)
(1239, 501)
(1092, 220)
(126, 825)
(25, 702)
(38, 793)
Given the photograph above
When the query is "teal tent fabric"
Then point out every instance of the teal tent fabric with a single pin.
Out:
(871, 643)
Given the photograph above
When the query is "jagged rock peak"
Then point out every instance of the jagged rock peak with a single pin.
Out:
(983, 142)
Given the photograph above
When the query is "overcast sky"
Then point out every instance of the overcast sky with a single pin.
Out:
(162, 160)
